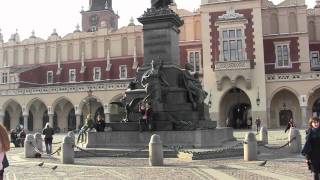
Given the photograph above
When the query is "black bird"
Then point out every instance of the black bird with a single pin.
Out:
(41, 164)
(54, 167)
(263, 163)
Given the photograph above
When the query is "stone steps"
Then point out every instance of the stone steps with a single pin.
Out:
(132, 153)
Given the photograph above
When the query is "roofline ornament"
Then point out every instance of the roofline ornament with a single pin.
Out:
(231, 15)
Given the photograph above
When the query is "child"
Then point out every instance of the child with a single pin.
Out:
(4, 147)
(311, 148)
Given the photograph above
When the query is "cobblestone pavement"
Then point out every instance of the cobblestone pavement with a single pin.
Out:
(280, 165)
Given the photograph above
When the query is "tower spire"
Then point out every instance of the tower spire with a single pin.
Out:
(317, 3)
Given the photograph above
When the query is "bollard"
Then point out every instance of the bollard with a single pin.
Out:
(294, 145)
(155, 151)
(250, 147)
(38, 141)
(263, 135)
(67, 151)
(71, 134)
(29, 151)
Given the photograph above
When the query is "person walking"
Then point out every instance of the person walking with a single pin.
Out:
(14, 137)
(290, 124)
(258, 124)
(22, 136)
(4, 147)
(311, 148)
(48, 137)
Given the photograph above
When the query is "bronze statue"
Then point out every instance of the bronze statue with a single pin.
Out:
(160, 3)
(195, 92)
(152, 81)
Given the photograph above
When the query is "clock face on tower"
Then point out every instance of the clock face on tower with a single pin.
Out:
(94, 19)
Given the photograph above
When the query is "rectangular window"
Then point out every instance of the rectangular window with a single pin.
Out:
(194, 59)
(96, 73)
(314, 58)
(123, 72)
(4, 79)
(283, 55)
(232, 45)
(72, 75)
(49, 77)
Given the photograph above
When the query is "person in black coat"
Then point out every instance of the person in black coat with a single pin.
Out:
(311, 148)
(100, 124)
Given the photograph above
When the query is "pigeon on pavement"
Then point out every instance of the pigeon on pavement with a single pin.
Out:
(41, 164)
(54, 167)
(263, 163)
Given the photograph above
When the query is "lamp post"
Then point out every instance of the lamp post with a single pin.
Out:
(89, 100)
(258, 99)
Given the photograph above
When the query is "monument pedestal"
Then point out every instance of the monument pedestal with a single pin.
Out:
(192, 139)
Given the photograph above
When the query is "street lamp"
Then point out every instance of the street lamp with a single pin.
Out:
(258, 99)
(89, 100)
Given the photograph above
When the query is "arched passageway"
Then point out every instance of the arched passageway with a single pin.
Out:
(235, 109)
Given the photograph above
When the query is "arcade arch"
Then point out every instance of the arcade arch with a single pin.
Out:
(235, 109)
(284, 105)
(13, 114)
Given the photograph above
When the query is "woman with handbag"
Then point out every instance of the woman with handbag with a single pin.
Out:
(4, 147)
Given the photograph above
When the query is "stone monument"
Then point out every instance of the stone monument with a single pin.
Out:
(174, 94)
(176, 98)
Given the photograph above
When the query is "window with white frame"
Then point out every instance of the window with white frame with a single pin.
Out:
(97, 73)
(314, 57)
(232, 44)
(194, 58)
(4, 78)
(282, 55)
(123, 71)
(72, 75)
(49, 77)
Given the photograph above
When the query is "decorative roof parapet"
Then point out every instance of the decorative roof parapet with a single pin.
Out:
(231, 15)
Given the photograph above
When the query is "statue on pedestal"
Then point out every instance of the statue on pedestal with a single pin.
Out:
(160, 3)
(195, 92)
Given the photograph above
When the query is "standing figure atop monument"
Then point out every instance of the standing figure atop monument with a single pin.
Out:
(160, 3)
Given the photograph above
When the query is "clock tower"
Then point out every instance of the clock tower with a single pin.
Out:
(100, 15)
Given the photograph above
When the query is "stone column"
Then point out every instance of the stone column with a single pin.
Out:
(304, 118)
(106, 113)
(50, 119)
(25, 122)
(78, 117)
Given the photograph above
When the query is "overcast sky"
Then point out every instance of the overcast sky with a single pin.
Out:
(44, 15)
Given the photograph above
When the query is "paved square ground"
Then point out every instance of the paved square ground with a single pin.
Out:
(280, 165)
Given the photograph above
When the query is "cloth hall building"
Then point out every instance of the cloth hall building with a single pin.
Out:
(256, 60)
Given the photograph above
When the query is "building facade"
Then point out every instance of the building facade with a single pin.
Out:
(261, 61)
(256, 60)
(62, 79)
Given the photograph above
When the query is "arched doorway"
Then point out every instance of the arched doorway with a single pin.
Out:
(316, 108)
(238, 116)
(7, 120)
(235, 109)
(284, 105)
(72, 120)
(285, 116)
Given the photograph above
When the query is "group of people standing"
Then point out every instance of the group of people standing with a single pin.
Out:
(17, 136)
